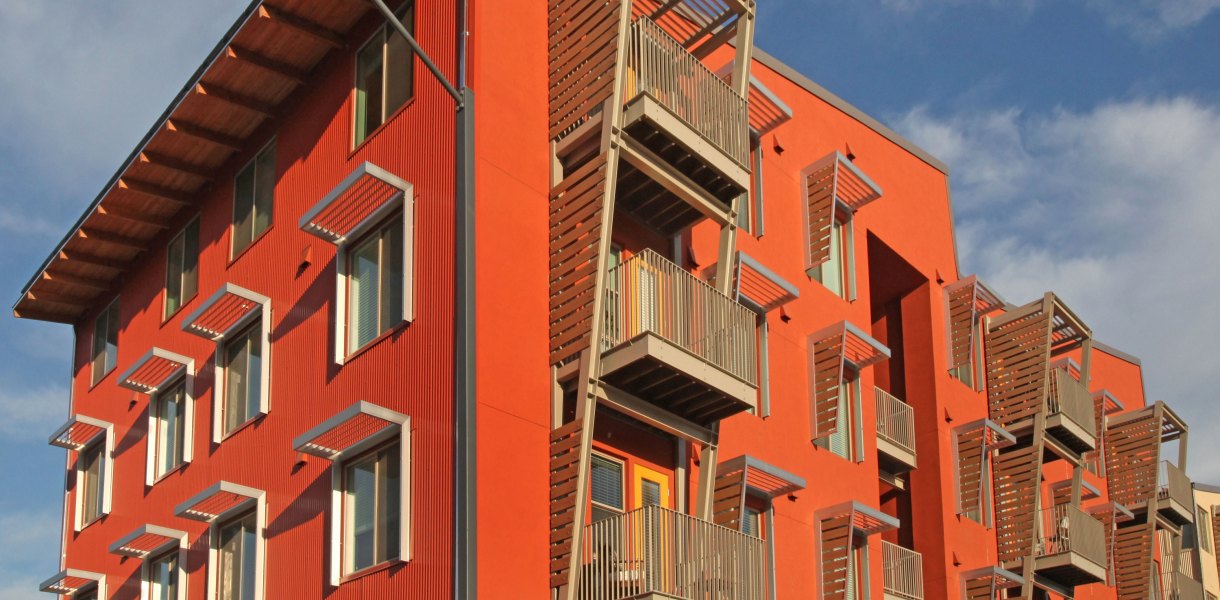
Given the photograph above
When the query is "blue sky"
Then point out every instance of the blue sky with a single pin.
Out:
(1083, 138)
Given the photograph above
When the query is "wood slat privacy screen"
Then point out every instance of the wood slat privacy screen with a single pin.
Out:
(967, 301)
(1133, 561)
(1132, 458)
(565, 476)
(836, 543)
(577, 210)
(1017, 473)
(1018, 357)
(828, 182)
(729, 499)
(825, 374)
(1106, 514)
(971, 472)
(582, 69)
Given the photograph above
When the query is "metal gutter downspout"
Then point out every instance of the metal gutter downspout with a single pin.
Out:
(464, 474)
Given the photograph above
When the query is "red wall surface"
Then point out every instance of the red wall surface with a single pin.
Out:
(409, 371)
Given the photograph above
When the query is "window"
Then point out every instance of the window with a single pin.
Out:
(237, 559)
(162, 574)
(91, 478)
(385, 75)
(253, 192)
(838, 272)
(844, 441)
(182, 268)
(169, 436)
(375, 283)
(89, 595)
(105, 341)
(751, 523)
(372, 508)
(605, 487)
(243, 377)
(1205, 530)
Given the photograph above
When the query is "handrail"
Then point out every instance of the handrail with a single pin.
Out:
(903, 571)
(655, 550)
(1066, 528)
(649, 294)
(1071, 398)
(659, 66)
(895, 421)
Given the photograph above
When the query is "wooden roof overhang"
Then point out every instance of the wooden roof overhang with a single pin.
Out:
(218, 501)
(147, 540)
(264, 58)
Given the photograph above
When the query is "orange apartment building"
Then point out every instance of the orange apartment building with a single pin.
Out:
(656, 317)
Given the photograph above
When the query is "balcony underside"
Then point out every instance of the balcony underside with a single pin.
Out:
(894, 459)
(1069, 569)
(1061, 432)
(659, 372)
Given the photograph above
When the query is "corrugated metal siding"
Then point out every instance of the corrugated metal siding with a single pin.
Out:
(410, 371)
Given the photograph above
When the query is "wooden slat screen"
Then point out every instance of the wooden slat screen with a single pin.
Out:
(1018, 357)
(963, 323)
(1132, 457)
(835, 540)
(1133, 561)
(1017, 475)
(971, 449)
(819, 214)
(1106, 515)
(1215, 535)
(565, 476)
(582, 69)
(577, 211)
(826, 372)
(729, 499)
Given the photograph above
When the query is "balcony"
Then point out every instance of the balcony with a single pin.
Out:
(677, 342)
(1176, 585)
(895, 433)
(1069, 412)
(1071, 547)
(687, 146)
(655, 553)
(903, 572)
(1175, 500)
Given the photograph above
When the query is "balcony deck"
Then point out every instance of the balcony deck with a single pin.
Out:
(1070, 420)
(676, 342)
(1071, 549)
(1175, 498)
(895, 434)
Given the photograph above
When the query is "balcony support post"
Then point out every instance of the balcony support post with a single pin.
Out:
(745, 51)
(1077, 481)
(707, 476)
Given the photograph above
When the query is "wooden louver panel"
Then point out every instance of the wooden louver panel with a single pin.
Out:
(1018, 358)
(826, 374)
(1133, 561)
(962, 324)
(582, 53)
(1017, 473)
(836, 547)
(1106, 515)
(819, 215)
(729, 499)
(1216, 534)
(971, 449)
(1132, 456)
(565, 476)
(576, 213)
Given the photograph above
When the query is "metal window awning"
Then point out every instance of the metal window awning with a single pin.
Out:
(767, 111)
(762, 477)
(350, 431)
(71, 581)
(228, 308)
(968, 299)
(1107, 403)
(865, 520)
(859, 348)
(78, 432)
(759, 287)
(155, 369)
(844, 179)
(363, 197)
(147, 540)
(218, 501)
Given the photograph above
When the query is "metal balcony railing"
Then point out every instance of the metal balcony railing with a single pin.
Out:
(655, 550)
(649, 294)
(1071, 398)
(895, 421)
(903, 572)
(1172, 584)
(1066, 528)
(658, 65)
(1173, 484)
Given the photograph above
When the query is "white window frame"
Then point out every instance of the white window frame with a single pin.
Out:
(187, 377)
(342, 266)
(404, 200)
(107, 443)
(260, 542)
(220, 389)
(383, 32)
(146, 570)
(95, 377)
(175, 541)
(183, 299)
(252, 164)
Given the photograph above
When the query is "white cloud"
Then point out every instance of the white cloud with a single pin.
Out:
(1116, 210)
(31, 414)
(1143, 19)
